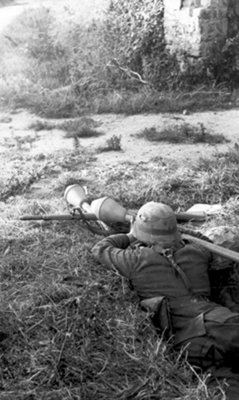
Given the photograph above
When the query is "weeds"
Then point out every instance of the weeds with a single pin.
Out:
(210, 181)
(21, 171)
(83, 132)
(19, 142)
(112, 144)
(231, 156)
(182, 133)
(69, 125)
(42, 125)
(147, 100)
(20, 177)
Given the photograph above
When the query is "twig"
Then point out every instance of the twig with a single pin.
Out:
(132, 74)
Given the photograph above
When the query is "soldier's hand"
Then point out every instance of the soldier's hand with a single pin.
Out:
(130, 235)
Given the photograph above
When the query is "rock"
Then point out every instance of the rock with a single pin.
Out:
(224, 236)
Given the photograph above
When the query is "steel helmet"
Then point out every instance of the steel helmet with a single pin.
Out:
(156, 223)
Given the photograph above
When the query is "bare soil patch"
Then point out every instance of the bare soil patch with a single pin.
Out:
(135, 150)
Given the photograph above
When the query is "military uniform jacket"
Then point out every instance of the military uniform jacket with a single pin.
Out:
(151, 274)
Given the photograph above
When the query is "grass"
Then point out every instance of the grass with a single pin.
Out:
(42, 125)
(112, 144)
(182, 133)
(76, 131)
(84, 132)
(18, 142)
(75, 328)
(69, 125)
(145, 100)
(210, 181)
(20, 170)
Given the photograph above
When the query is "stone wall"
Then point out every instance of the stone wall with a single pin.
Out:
(195, 26)
(233, 17)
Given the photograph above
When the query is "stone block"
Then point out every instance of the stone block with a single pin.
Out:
(194, 26)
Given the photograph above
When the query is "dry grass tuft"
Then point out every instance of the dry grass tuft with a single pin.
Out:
(182, 133)
(20, 170)
(68, 125)
(112, 144)
(83, 132)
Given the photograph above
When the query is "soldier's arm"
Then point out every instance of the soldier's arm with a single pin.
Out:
(115, 251)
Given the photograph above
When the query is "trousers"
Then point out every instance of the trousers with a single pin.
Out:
(218, 347)
(218, 350)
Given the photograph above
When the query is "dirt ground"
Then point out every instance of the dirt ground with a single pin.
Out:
(15, 126)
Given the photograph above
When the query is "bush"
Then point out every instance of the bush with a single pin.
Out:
(134, 36)
(222, 61)
(63, 67)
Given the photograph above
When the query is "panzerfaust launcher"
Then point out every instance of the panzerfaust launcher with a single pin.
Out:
(104, 216)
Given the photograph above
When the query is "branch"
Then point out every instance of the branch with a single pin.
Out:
(132, 74)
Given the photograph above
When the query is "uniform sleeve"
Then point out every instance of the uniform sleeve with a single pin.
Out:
(115, 251)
